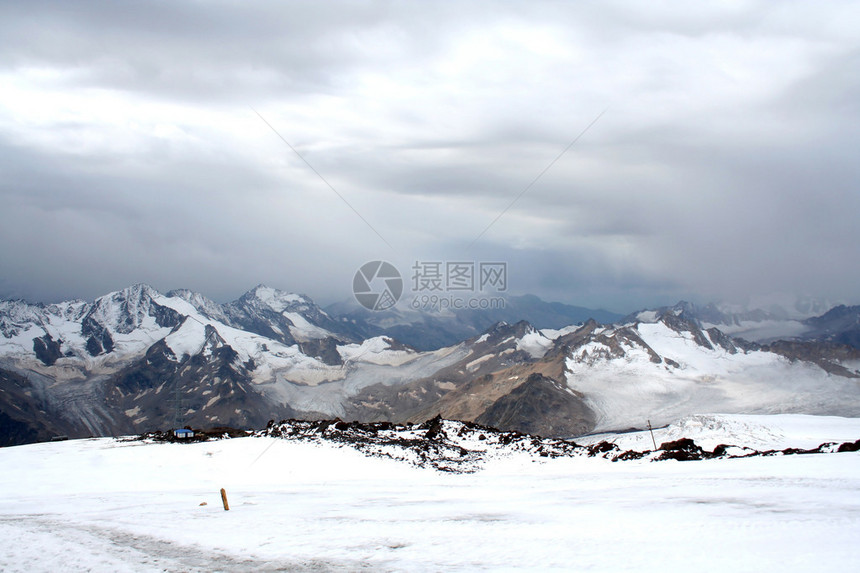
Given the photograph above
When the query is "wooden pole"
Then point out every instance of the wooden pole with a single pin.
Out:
(649, 429)
(224, 499)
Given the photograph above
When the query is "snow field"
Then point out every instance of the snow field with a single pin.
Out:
(760, 432)
(630, 389)
(104, 505)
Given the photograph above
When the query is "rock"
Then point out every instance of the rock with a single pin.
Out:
(849, 447)
(683, 450)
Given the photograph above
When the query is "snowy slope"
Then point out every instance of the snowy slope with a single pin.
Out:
(103, 505)
(268, 355)
(760, 432)
(370, 363)
(763, 330)
(769, 319)
(670, 368)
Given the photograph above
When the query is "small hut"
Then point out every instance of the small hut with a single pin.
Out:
(183, 433)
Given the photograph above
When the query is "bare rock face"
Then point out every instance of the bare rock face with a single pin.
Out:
(540, 406)
(840, 325)
(47, 349)
(827, 355)
(28, 415)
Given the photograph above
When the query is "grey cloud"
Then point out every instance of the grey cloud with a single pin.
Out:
(724, 167)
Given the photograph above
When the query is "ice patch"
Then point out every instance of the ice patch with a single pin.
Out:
(647, 316)
(304, 330)
(535, 344)
(188, 340)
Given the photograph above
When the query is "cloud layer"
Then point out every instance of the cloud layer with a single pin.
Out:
(724, 166)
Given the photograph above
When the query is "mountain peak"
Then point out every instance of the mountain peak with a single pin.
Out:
(502, 330)
(276, 300)
(126, 310)
(138, 291)
(204, 305)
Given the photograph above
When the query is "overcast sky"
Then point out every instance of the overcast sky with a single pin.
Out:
(725, 164)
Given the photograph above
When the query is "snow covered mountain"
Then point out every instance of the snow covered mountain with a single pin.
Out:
(840, 325)
(667, 367)
(660, 367)
(764, 321)
(137, 360)
(122, 324)
(466, 387)
(751, 323)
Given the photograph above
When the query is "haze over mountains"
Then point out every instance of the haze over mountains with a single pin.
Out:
(137, 360)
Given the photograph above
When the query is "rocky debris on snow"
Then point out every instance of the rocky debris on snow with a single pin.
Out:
(464, 447)
(445, 445)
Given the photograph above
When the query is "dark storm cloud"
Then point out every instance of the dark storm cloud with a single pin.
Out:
(723, 167)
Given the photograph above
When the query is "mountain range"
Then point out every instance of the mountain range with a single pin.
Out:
(137, 360)
(431, 330)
